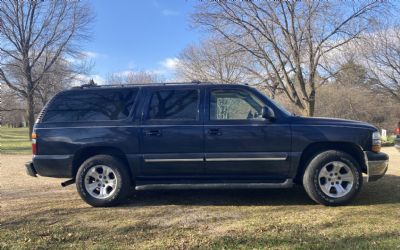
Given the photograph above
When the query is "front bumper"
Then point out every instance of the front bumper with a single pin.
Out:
(377, 165)
(397, 143)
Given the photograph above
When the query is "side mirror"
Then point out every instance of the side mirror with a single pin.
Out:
(267, 113)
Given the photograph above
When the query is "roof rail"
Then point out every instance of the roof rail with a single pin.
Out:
(84, 86)
(87, 85)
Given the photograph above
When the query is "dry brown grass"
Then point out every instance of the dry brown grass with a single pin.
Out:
(37, 213)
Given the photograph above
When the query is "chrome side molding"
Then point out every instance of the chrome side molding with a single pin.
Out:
(175, 160)
(248, 159)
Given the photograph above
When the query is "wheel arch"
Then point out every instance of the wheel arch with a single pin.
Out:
(87, 152)
(315, 148)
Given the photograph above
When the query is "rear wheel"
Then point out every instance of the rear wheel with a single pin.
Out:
(103, 181)
(332, 178)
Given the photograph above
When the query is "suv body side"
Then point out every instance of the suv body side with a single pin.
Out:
(201, 149)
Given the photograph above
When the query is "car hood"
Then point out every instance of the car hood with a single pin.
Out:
(332, 121)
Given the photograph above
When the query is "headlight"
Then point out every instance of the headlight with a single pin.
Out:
(376, 142)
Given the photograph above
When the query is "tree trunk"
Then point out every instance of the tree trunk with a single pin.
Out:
(311, 103)
(31, 113)
(309, 108)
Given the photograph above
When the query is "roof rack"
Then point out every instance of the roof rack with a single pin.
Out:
(85, 86)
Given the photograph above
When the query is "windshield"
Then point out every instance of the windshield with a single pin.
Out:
(284, 110)
(280, 107)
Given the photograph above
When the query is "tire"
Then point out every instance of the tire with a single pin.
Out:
(333, 178)
(103, 181)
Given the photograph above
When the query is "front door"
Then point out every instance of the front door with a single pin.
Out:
(172, 132)
(239, 143)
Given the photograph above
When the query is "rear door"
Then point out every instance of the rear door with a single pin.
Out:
(172, 132)
(239, 143)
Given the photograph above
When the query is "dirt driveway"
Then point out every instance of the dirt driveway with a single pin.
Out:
(37, 212)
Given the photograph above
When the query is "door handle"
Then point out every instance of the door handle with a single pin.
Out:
(154, 132)
(214, 131)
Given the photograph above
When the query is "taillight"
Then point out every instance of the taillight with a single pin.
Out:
(34, 146)
(397, 131)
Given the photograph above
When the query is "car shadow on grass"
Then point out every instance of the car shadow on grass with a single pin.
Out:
(373, 193)
(382, 191)
(221, 197)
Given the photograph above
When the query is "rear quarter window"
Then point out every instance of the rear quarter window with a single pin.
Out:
(91, 105)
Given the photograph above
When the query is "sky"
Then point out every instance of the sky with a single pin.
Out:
(139, 35)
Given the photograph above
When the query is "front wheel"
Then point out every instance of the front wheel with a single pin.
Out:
(103, 181)
(332, 178)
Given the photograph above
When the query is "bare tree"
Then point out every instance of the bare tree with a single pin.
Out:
(348, 96)
(289, 39)
(34, 35)
(213, 60)
(132, 77)
(11, 110)
(59, 77)
(382, 56)
(351, 73)
(357, 103)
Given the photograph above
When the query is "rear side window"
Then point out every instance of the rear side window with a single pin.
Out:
(178, 104)
(91, 105)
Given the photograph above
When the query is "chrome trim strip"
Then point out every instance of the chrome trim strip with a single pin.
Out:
(217, 159)
(175, 160)
(52, 157)
(248, 159)
(288, 183)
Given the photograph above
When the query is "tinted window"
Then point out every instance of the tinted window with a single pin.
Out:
(97, 105)
(234, 105)
(173, 105)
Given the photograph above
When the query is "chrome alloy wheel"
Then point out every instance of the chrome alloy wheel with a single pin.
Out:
(336, 179)
(100, 182)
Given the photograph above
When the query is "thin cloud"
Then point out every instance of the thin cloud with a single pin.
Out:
(166, 69)
(169, 12)
(170, 63)
(83, 79)
(92, 54)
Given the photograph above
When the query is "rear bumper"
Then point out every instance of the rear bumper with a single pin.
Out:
(377, 165)
(59, 166)
(30, 169)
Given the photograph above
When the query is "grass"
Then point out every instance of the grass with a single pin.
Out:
(37, 213)
(389, 141)
(14, 141)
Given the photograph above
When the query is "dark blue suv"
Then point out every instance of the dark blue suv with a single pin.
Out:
(111, 140)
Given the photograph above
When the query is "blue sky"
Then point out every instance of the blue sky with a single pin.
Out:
(139, 35)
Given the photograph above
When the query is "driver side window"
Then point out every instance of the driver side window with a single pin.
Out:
(234, 105)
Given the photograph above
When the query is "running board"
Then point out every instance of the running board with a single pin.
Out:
(288, 183)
